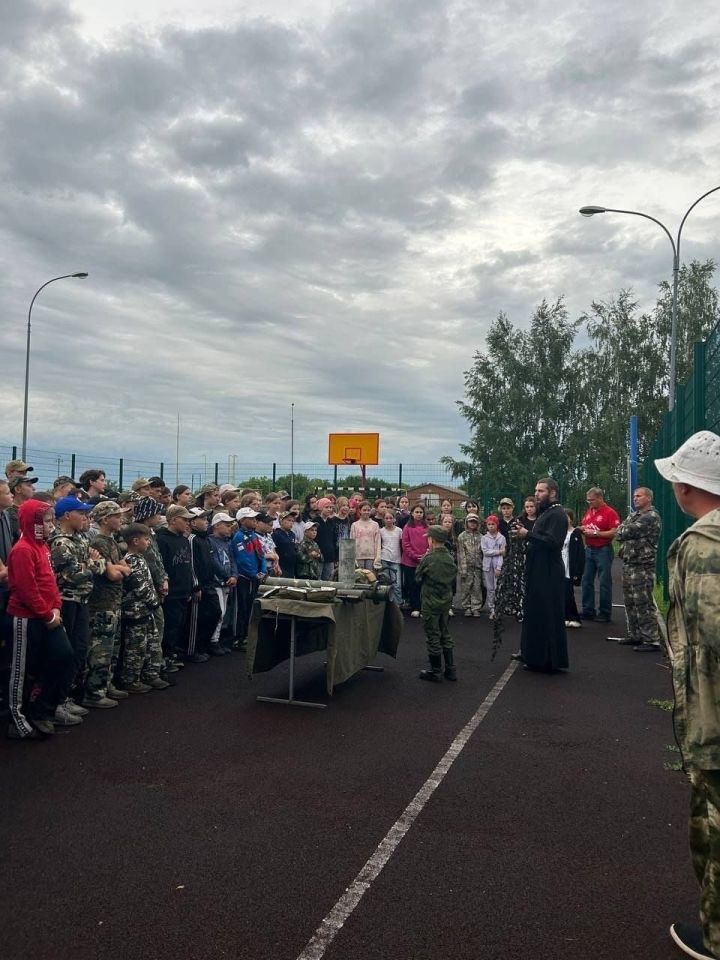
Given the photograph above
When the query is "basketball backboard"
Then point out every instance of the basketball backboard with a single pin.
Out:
(345, 449)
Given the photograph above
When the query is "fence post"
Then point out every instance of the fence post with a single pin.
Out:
(72, 467)
(399, 478)
(14, 454)
(699, 387)
(120, 474)
(677, 428)
(274, 475)
(335, 479)
(162, 469)
(216, 473)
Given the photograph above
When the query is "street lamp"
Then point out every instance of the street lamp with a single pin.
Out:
(590, 211)
(65, 276)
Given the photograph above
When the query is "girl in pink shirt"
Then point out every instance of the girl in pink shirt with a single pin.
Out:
(367, 534)
(414, 548)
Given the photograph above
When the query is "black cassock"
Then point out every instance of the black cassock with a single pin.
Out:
(544, 643)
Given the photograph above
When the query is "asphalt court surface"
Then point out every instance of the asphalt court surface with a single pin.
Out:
(195, 823)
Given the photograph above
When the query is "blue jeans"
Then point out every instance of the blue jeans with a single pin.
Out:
(395, 592)
(598, 562)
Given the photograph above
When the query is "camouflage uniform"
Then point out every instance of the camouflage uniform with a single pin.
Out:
(159, 576)
(469, 559)
(142, 653)
(436, 575)
(309, 559)
(639, 535)
(75, 574)
(104, 604)
(694, 639)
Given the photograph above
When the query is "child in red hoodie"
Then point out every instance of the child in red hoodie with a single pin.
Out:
(42, 658)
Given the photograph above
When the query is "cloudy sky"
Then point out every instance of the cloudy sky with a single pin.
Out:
(327, 207)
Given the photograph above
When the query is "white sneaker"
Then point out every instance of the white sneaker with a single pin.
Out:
(451, 612)
(64, 718)
(75, 708)
(573, 623)
(415, 613)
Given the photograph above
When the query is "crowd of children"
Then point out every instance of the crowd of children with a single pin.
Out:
(102, 599)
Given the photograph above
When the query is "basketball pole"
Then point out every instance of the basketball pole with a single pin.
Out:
(292, 451)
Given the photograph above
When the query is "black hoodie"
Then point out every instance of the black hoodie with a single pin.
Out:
(175, 551)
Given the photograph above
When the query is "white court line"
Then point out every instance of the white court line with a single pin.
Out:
(335, 920)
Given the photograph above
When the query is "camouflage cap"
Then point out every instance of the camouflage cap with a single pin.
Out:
(140, 483)
(128, 496)
(506, 502)
(438, 534)
(175, 510)
(208, 488)
(16, 481)
(19, 466)
(61, 481)
(108, 508)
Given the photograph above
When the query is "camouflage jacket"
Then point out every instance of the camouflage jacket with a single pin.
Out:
(155, 563)
(309, 558)
(694, 640)
(436, 575)
(469, 554)
(74, 570)
(639, 535)
(106, 594)
(139, 598)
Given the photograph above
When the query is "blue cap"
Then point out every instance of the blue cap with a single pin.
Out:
(66, 504)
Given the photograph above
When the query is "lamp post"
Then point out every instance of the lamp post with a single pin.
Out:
(65, 276)
(675, 244)
(292, 450)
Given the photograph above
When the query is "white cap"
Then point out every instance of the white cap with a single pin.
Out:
(222, 518)
(308, 524)
(696, 463)
(198, 512)
(245, 513)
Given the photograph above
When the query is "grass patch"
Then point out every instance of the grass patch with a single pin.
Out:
(659, 595)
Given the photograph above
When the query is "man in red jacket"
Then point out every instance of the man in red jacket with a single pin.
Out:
(42, 659)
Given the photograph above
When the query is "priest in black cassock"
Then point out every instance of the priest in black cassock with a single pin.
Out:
(543, 643)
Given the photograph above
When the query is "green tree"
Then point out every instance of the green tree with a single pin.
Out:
(698, 313)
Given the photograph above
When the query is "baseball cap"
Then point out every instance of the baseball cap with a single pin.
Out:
(208, 488)
(506, 501)
(175, 510)
(156, 482)
(221, 518)
(19, 466)
(245, 513)
(439, 534)
(108, 508)
(16, 481)
(264, 517)
(140, 483)
(284, 495)
(473, 516)
(696, 462)
(227, 487)
(308, 524)
(324, 502)
(128, 496)
(61, 481)
(145, 508)
(286, 513)
(197, 512)
(68, 504)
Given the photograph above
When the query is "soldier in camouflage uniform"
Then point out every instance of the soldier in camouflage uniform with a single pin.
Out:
(75, 564)
(142, 653)
(150, 513)
(639, 535)
(309, 555)
(694, 641)
(104, 605)
(436, 575)
(470, 566)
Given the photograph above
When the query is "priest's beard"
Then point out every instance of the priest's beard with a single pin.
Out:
(543, 505)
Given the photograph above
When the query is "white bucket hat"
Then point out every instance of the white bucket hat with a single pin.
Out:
(696, 462)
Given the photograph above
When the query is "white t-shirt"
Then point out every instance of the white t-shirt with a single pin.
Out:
(391, 544)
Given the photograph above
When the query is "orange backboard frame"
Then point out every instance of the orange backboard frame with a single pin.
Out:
(346, 449)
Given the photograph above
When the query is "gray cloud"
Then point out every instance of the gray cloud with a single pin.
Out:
(329, 213)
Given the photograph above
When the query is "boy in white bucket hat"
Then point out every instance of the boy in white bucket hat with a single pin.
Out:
(694, 639)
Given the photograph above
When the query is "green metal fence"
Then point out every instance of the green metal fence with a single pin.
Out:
(697, 407)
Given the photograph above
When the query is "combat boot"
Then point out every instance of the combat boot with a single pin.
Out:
(434, 674)
(450, 673)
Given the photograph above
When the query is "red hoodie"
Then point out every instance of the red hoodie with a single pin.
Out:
(33, 588)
